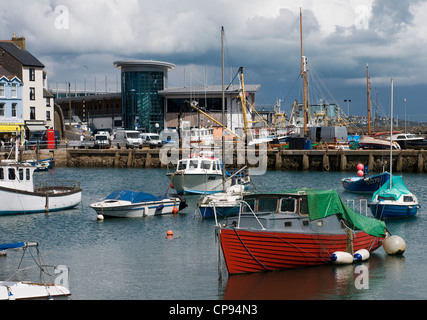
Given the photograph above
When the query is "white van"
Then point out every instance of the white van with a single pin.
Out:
(102, 139)
(128, 139)
(151, 139)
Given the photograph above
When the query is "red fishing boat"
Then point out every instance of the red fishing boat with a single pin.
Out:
(294, 229)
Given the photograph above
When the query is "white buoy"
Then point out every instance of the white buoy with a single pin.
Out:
(342, 257)
(361, 255)
(100, 217)
(394, 245)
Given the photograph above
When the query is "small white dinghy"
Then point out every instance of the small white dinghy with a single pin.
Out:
(27, 290)
(132, 204)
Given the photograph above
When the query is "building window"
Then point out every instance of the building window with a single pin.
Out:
(47, 115)
(32, 93)
(2, 91)
(32, 113)
(142, 106)
(48, 102)
(14, 110)
(14, 90)
(32, 74)
(2, 107)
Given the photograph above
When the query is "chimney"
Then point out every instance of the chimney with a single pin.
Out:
(19, 41)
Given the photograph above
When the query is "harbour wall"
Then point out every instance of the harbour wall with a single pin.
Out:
(414, 161)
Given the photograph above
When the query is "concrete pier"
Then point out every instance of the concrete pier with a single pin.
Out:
(285, 160)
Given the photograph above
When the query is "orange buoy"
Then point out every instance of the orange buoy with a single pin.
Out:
(169, 233)
(175, 210)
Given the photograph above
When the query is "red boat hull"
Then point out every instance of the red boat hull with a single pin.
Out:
(255, 251)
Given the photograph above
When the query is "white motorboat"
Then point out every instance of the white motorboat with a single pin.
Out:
(409, 141)
(132, 204)
(202, 173)
(20, 195)
(51, 289)
(223, 204)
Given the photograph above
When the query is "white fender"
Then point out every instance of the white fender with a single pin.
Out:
(361, 255)
(341, 257)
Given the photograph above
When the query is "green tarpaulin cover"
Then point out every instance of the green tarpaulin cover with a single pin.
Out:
(323, 203)
(398, 187)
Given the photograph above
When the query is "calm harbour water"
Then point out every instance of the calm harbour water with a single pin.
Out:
(130, 259)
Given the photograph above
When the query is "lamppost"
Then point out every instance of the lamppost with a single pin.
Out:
(404, 101)
(348, 106)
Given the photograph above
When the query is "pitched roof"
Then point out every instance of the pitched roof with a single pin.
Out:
(4, 72)
(23, 56)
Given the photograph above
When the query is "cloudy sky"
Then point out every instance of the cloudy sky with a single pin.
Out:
(78, 41)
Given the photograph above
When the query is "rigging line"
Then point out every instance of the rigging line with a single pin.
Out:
(295, 82)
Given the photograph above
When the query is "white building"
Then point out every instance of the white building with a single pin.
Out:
(38, 106)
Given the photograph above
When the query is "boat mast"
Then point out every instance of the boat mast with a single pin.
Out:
(391, 132)
(223, 110)
(243, 102)
(304, 75)
(369, 101)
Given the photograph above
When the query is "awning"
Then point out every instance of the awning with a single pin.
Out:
(11, 127)
(36, 127)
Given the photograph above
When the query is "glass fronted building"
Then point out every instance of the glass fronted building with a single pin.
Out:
(143, 108)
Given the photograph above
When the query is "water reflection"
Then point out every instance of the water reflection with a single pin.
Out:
(317, 283)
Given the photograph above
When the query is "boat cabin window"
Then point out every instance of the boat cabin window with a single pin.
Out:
(206, 164)
(193, 164)
(249, 206)
(288, 205)
(182, 165)
(1, 174)
(12, 174)
(407, 199)
(303, 205)
(27, 174)
(267, 204)
(21, 174)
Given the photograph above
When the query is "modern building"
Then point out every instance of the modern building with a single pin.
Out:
(38, 107)
(147, 104)
(11, 110)
(142, 106)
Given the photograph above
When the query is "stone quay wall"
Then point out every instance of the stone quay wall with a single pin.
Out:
(286, 160)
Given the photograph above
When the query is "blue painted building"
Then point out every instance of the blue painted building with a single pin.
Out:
(11, 106)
